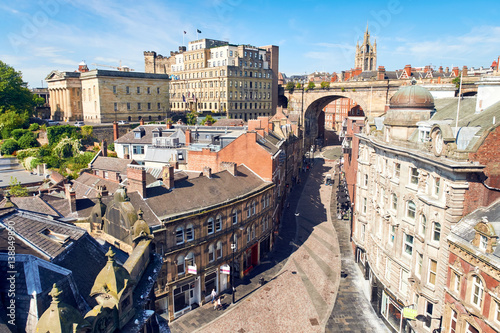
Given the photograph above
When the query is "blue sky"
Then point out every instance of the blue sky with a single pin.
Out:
(43, 35)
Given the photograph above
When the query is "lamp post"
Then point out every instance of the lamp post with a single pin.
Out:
(427, 320)
(233, 248)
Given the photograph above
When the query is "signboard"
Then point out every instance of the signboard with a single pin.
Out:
(409, 313)
(225, 269)
(192, 269)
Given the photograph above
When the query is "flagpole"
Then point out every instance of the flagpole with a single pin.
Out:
(183, 33)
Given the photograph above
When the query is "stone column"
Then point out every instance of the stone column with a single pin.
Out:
(68, 103)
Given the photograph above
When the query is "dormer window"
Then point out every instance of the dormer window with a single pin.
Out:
(483, 242)
(137, 135)
(485, 238)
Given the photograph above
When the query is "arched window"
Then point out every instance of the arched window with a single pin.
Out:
(179, 235)
(218, 223)
(253, 207)
(234, 216)
(180, 265)
(249, 210)
(235, 242)
(190, 259)
(219, 249)
(248, 234)
(211, 253)
(394, 201)
(477, 291)
(436, 231)
(210, 226)
(253, 231)
(423, 225)
(411, 210)
(189, 233)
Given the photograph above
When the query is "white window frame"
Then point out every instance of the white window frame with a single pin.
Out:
(431, 272)
(477, 291)
(407, 244)
(210, 225)
(411, 212)
(179, 231)
(413, 175)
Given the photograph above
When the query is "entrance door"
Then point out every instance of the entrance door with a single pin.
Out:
(255, 255)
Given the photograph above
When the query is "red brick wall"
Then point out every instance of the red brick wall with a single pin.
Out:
(243, 150)
(488, 155)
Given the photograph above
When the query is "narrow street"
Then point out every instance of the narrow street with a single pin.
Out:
(304, 291)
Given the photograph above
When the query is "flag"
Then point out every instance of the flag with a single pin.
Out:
(183, 98)
(185, 32)
(198, 31)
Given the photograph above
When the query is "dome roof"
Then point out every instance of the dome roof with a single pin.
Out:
(140, 228)
(412, 97)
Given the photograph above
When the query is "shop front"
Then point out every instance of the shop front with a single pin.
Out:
(265, 246)
(185, 295)
(210, 284)
(392, 312)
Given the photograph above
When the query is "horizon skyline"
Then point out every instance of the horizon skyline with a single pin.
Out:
(58, 34)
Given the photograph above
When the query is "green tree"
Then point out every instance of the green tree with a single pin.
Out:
(311, 85)
(456, 81)
(16, 189)
(28, 140)
(55, 133)
(298, 86)
(325, 84)
(9, 146)
(14, 95)
(191, 118)
(87, 130)
(34, 127)
(18, 133)
(208, 118)
(11, 120)
(289, 85)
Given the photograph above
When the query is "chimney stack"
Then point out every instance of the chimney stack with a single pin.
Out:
(464, 70)
(167, 173)
(455, 71)
(104, 148)
(71, 196)
(408, 70)
(440, 69)
(115, 131)
(381, 73)
(229, 166)
(188, 137)
(169, 125)
(141, 122)
(207, 172)
(136, 175)
(103, 191)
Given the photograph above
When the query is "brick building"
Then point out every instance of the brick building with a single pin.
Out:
(338, 110)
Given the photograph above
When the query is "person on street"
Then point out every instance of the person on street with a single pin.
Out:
(214, 295)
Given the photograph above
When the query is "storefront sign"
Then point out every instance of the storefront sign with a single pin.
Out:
(225, 269)
(192, 269)
(409, 313)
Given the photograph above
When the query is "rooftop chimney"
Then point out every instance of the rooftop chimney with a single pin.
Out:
(455, 71)
(136, 175)
(464, 71)
(229, 166)
(115, 131)
(104, 148)
(167, 173)
(141, 122)
(381, 73)
(207, 172)
(188, 137)
(408, 70)
(71, 196)
(440, 69)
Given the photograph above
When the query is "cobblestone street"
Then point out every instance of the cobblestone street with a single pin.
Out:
(303, 281)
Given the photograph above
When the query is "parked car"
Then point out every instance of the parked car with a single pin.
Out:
(51, 122)
(79, 124)
(122, 122)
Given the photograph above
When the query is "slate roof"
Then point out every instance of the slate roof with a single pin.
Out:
(41, 232)
(267, 144)
(112, 164)
(85, 186)
(229, 122)
(194, 194)
(463, 232)
(33, 204)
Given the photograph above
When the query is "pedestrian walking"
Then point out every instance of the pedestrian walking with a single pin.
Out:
(214, 295)
(219, 304)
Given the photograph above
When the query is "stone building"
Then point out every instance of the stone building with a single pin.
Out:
(194, 237)
(215, 76)
(366, 54)
(472, 300)
(418, 174)
(103, 96)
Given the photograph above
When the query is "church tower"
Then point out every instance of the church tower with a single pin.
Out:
(366, 54)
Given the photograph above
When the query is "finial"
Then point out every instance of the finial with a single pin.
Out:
(111, 255)
(55, 292)
(139, 214)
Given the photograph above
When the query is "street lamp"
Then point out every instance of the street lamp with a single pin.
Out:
(233, 249)
(427, 319)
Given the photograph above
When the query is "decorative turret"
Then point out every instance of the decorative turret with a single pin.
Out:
(140, 230)
(59, 317)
